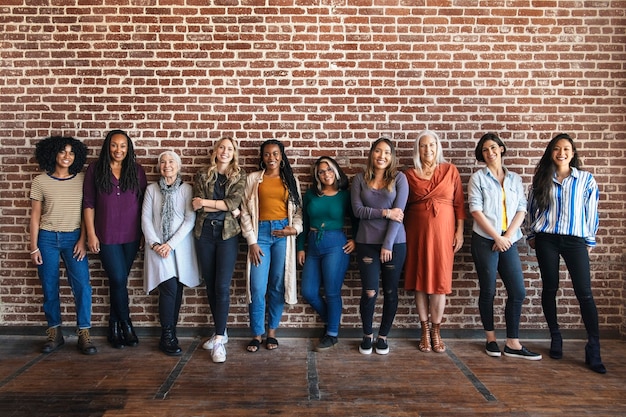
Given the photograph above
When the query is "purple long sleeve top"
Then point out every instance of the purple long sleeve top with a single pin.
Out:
(117, 214)
(368, 205)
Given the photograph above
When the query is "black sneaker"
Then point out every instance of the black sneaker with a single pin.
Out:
(327, 342)
(492, 349)
(366, 345)
(522, 353)
(382, 348)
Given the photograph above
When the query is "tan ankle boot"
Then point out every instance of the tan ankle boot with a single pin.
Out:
(84, 342)
(55, 339)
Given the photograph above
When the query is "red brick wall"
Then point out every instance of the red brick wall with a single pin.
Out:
(326, 77)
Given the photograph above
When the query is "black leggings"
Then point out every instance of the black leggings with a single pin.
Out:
(170, 299)
(574, 251)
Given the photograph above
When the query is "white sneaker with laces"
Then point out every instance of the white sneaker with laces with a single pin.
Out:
(208, 345)
(219, 353)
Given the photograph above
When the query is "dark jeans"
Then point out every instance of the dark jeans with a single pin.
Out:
(117, 260)
(170, 299)
(217, 259)
(488, 264)
(371, 270)
(574, 251)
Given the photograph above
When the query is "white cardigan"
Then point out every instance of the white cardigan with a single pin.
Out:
(182, 261)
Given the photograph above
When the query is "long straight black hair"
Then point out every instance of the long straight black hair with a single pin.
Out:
(542, 180)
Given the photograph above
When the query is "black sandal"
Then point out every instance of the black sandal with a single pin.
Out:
(271, 343)
(253, 346)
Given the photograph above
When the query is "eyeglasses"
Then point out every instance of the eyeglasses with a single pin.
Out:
(323, 172)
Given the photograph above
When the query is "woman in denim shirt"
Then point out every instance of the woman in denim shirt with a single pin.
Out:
(498, 205)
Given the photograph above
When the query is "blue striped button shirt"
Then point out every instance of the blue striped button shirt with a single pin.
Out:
(573, 208)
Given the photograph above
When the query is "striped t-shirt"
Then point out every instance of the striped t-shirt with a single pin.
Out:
(61, 201)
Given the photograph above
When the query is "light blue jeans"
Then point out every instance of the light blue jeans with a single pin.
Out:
(55, 246)
(268, 278)
(325, 266)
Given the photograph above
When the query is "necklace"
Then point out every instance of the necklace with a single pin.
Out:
(429, 171)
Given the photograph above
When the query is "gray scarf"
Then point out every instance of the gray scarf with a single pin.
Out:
(167, 210)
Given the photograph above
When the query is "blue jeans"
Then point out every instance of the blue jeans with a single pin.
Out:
(325, 265)
(55, 246)
(488, 264)
(117, 260)
(549, 249)
(268, 278)
(371, 270)
(217, 258)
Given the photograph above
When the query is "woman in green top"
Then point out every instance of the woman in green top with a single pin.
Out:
(325, 206)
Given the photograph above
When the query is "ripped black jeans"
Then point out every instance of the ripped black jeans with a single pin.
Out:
(371, 269)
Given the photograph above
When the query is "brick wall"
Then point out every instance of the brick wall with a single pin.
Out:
(326, 77)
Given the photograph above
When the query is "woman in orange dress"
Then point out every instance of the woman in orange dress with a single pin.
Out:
(434, 233)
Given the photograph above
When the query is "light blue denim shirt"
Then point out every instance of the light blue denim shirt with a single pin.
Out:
(485, 194)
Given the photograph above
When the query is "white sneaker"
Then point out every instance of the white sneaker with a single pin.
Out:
(219, 353)
(208, 345)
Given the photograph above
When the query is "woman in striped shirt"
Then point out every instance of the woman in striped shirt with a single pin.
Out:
(563, 219)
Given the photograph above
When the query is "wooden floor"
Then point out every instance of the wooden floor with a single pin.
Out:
(296, 381)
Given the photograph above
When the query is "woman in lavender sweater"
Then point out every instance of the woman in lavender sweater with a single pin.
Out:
(379, 196)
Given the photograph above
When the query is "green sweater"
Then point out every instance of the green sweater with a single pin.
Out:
(325, 213)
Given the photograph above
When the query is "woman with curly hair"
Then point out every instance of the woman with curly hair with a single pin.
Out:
(112, 197)
(57, 232)
(271, 218)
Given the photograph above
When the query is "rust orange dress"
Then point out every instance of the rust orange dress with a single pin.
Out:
(430, 218)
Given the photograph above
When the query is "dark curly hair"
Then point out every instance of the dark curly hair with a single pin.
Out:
(129, 180)
(47, 149)
(542, 180)
(286, 173)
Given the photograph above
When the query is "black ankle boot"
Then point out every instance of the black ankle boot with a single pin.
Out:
(592, 356)
(128, 332)
(168, 343)
(115, 337)
(556, 346)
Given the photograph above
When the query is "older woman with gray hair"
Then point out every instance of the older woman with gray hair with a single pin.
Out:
(170, 260)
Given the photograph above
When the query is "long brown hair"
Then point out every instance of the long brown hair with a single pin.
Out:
(391, 171)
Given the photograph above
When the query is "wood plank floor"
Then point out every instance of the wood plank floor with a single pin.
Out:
(296, 381)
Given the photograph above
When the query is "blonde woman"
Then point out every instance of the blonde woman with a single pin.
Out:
(218, 191)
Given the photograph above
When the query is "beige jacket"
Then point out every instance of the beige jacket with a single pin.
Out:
(250, 230)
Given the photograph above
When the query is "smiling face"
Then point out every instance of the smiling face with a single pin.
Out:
(381, 156)
(168, 167)
(225, 152)
(272, 157)
(492, 152)
(326, 175)
(65, 157)
(562, 154)
(428, 150)
(118, 148)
